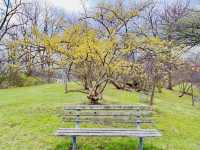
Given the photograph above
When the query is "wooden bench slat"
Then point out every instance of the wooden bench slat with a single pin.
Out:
(107, 113)
(129, 122)
(106, 107)
(108, 132)
(107, 129)
(109, 120)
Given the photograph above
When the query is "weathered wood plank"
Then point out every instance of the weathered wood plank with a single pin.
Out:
(109, 120)
(106, 107)
(107, 129)
(107, 132)
(107, 113)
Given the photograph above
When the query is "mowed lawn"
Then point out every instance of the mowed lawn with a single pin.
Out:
(30, 115)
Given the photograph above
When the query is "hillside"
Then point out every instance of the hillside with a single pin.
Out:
(29, 117)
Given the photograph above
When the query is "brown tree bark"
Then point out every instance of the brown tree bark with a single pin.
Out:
(169, 81)
(153, 93)
(94, 97)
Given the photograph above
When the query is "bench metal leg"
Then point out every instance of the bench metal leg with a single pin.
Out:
(74, 145)
(141, 142)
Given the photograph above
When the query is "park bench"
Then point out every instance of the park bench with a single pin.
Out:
(137, 116)
(195, 99)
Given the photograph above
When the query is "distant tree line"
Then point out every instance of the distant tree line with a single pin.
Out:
(133, 45)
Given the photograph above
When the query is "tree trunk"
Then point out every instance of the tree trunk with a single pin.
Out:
(86, 86)
(66, 78)
(159, 86)
(116, 85)
(66, 86)
(153, 93)
(169, 84)
(94, 99)
(48, 77)
(94, 96)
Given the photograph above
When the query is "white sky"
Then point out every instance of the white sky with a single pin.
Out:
(75, 5)
(68, 5)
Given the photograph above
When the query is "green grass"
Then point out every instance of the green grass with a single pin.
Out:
(30, 115)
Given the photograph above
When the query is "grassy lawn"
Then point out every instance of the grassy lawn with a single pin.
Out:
(30, 115)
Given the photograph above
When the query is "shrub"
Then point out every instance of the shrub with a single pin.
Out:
(16, 78)
(29, 80)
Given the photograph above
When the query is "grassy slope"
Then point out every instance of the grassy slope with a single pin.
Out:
(29, 116)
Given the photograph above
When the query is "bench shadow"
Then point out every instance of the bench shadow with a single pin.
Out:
(105, 144)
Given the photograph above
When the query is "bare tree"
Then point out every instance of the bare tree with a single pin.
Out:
(171, 15)
(9, 10)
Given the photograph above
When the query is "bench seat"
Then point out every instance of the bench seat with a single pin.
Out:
(107, 132)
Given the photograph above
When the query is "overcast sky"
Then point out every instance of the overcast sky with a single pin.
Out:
(70, 5)
(75, 5)
(196, 3)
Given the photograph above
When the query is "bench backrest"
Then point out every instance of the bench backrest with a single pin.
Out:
(134, 114)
